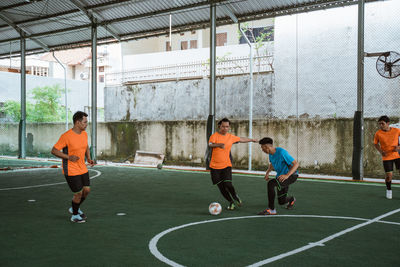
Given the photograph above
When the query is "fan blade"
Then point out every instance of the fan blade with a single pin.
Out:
(396, 60)
(382, 61)
(390, 72)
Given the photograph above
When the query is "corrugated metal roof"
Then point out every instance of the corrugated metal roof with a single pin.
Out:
(61, 24)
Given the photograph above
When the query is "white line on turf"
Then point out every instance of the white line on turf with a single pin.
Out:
(27, 170)
(154, 250)
(322, 241)
(344, 182)
(43, 185)
(395, 223)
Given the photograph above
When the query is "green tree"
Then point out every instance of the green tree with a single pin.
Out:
(12, 109)
(259, 42)
(46, 107)
(47, 104)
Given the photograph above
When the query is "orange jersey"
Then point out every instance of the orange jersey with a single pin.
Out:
(388, 140)
(75, 144)
(220, 156)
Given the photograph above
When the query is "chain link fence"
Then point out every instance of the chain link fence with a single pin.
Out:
(305, 98)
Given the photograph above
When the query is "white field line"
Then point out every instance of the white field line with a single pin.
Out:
(43, 185)
(322, 241)
(257, 174)
(303, 176)
(394, 184)
(27, 170)
(154, 250)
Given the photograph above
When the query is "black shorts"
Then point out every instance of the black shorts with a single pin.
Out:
(388, 164)
(219, 175)
(77, 182)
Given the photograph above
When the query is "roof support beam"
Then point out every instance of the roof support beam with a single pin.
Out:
(91, 14)
(72, 11)
(81, 7)
(23, 32)
(17, 5)
(109, 22)
(41, 18)
(261, 14)
(230, 13)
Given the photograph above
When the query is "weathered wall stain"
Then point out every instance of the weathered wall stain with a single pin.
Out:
(323, 146)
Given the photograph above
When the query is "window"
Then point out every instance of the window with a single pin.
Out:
(266, 32)
(39, 71)
(190, 44)
(222, 39)
(184, 45)
(73, 72)
(101, 78)
(193, 44)
(167, 46)
(101, 69)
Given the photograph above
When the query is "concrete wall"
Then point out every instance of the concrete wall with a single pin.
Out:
(315, 73)
(45, 135)
(189, 100)
(321, 146)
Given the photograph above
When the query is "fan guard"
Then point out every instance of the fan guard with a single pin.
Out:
(388, 65)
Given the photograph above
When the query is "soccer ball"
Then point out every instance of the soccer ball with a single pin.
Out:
(215, 208)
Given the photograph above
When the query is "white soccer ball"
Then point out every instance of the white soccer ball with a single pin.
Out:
(215, 208)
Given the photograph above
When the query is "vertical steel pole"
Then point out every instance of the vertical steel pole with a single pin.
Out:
(213, 42)
(66, 98)
(170, 31)
(22, 123)
(360, 89)
(251, 106)
(94, 92)
(65, 91)
(250, 93)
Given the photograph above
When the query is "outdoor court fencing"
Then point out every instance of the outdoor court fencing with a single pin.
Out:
(314, 86)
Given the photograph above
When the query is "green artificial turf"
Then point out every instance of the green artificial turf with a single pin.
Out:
(39, 233)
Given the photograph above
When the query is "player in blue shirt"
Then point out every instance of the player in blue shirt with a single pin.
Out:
(286, 173)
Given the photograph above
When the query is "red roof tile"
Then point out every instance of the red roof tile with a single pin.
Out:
(69, 57)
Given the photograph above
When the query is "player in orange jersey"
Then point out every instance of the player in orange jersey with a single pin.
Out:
(386, 141)
(220, 165)
(74, 146)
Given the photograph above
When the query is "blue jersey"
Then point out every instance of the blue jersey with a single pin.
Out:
(281, 161)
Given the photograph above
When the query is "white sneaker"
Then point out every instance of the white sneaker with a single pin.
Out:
(389, 194)
(77, 219)
(80, 212)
